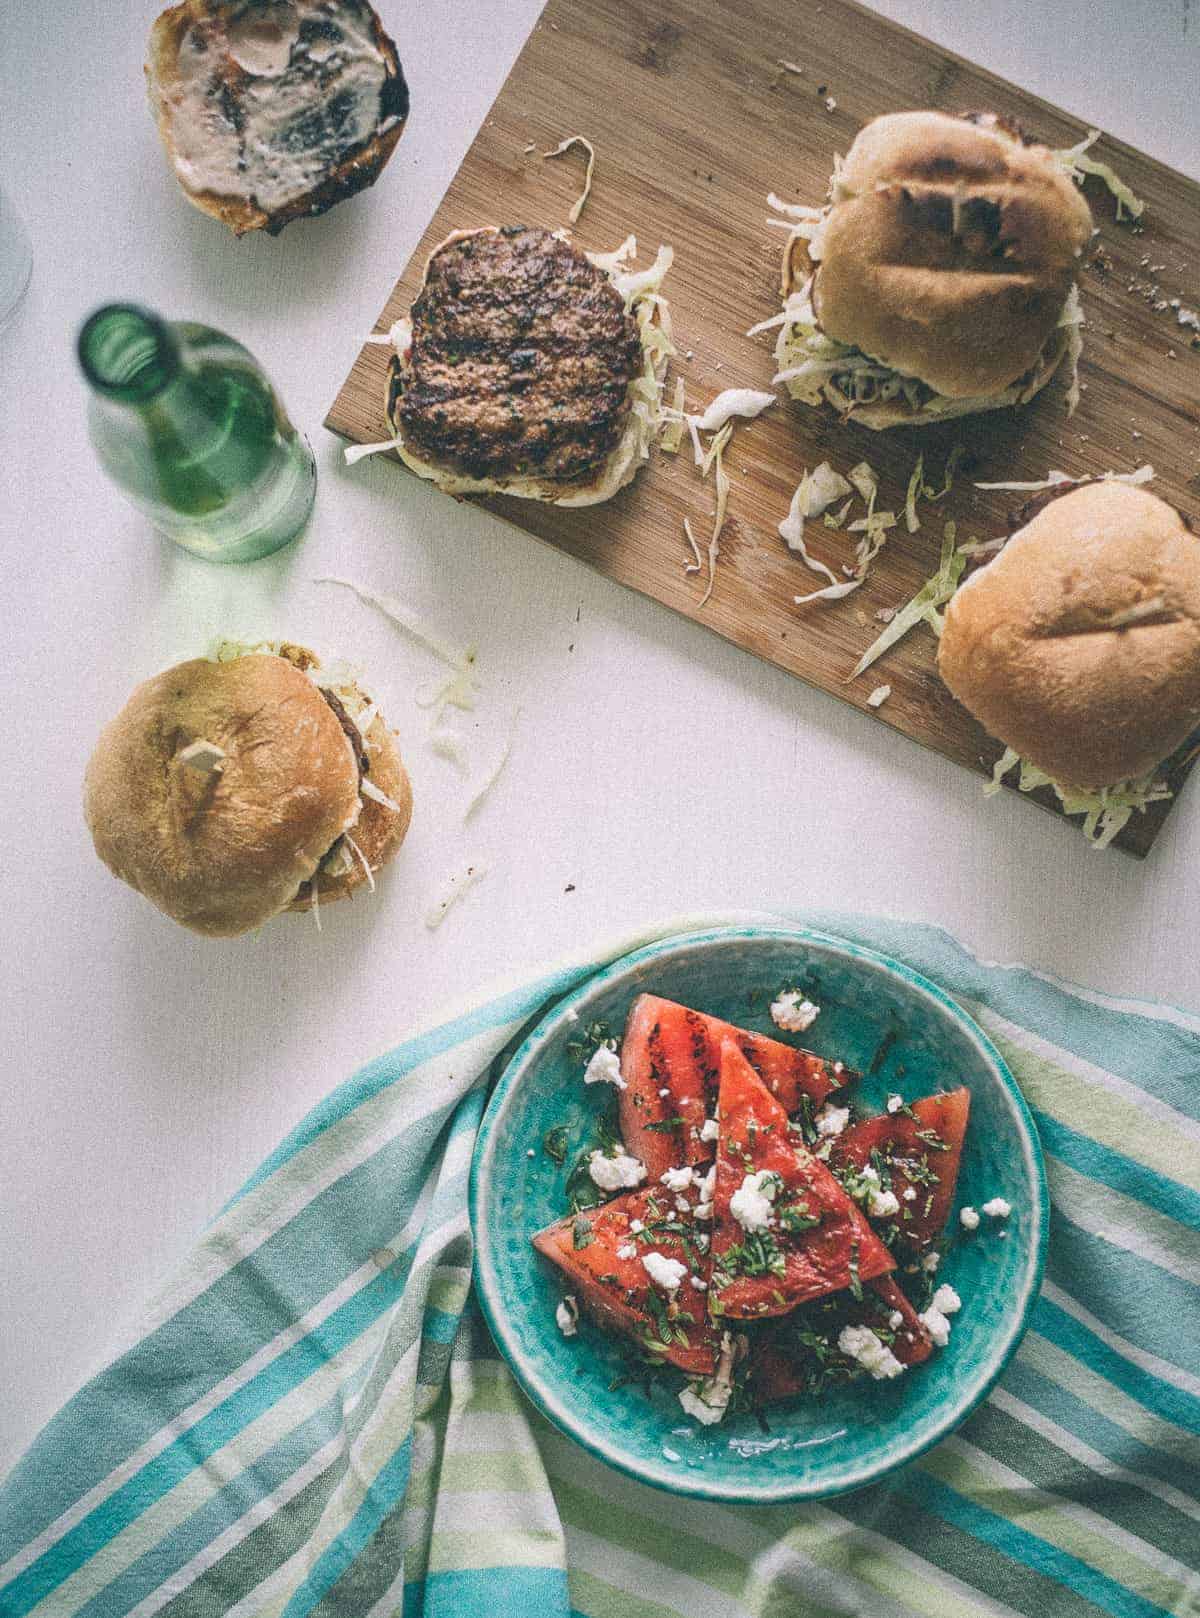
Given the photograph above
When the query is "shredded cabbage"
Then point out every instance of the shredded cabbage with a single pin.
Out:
(746, 402)
(404, 618)
(814, 493)
(1071, 321)
(918, 488)
(559, 151)
(448, 744)
(1143, 474)
(370, 790)
(1075, 162)
(696, 565)
(456, 890)
(815, 367)
(824, 487)
(641, 291)
(915, 484)
(484, 788)
(674, 421)
(1106, 810)
(370, 875)
(353, 453)
(716, 454)
(614, 263)
(791, 529)
(924, 606)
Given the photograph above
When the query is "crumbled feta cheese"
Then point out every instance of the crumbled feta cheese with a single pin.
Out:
(709, 1129)
(615, 1173)
(879, 696)
(894, 1103)
(870, 1172)
(604, 1067)
(566, 1315)
(895, 1320)
(968, 1218)
(699, 1284)
(663, 1271)
(946, 1299)
(708, 1185)
(628, 1250)
(702, 1210)
(935, 1323)
(703, 1412)
(751, 1203)
(664, 1092)
(883, 1204)
(708, 1401)
(832, 1120)
(931, 1261)
(635, 1225)
(677, 1179)
(793, 1012)
(910, 1193)
(997, 1208)
(860, 1343)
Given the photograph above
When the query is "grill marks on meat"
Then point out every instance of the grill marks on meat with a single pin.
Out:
(522, 356)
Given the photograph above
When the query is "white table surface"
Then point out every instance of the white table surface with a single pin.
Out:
(146, 1071)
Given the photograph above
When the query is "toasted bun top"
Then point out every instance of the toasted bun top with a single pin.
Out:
(949, 250)
(221, 850)
(1031, 648)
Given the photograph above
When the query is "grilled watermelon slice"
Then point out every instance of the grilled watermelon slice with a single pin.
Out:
(800, 1354)
(673, 1048)
(817, 1240)
(922, 1153)
(618, 1292)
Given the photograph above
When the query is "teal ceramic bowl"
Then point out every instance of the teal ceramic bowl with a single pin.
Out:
(856, 1434)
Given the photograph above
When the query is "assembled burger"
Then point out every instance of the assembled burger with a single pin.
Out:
(1079, 645)
(231, 788)
(939, 279)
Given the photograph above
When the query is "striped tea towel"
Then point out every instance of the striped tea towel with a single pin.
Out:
(314, 1421)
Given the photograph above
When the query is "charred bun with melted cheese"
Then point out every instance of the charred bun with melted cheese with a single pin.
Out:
(940, 278)
(1079, 645)
(229, 789)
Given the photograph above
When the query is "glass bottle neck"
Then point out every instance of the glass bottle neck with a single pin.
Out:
(128, 354)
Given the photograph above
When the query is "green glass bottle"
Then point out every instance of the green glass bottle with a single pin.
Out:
(188, 427)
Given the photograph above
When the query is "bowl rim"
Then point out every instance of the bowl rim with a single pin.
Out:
(558, 1410)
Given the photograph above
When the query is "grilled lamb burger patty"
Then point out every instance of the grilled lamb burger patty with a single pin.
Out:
(519, 370)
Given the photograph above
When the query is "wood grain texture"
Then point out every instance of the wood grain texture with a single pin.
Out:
(694, 121)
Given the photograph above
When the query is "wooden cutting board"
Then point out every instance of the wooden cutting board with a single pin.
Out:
(694, 121)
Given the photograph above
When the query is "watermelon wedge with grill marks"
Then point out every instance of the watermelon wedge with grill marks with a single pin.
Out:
(817, 1240)
(799, 1355)
(618, 1292)
(674, 1048)
(922, 1154)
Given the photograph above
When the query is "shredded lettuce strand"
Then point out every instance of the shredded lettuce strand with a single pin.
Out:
(1106, 811)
